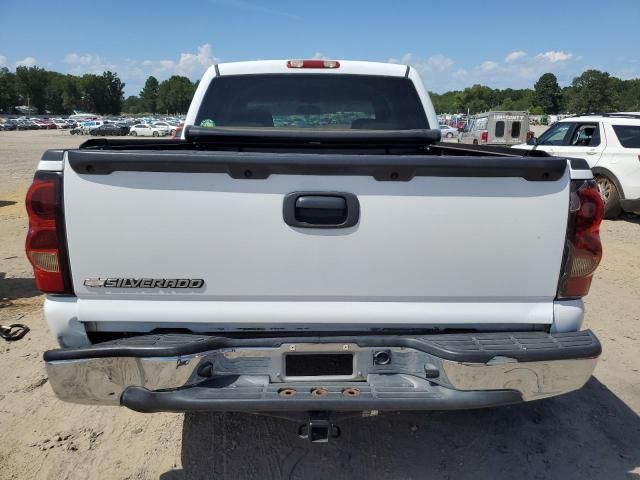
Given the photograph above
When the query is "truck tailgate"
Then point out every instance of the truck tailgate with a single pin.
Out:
(476, 246)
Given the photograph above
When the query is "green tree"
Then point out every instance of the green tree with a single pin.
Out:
(629, 96)
(92, 93)
(175, 94)
(548, 95)
(593, 91)
(9, 97)
(133, 105)
(444, 102)
(149, 95)
(54, 92)
(102, 94)
(114, 92)
(507, 104)
(476, 99)
(32, 84)
(72, 94)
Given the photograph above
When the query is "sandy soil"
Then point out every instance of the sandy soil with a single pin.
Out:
(592, 433)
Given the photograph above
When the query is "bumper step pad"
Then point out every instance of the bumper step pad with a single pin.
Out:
(421, 396)
(468, 347)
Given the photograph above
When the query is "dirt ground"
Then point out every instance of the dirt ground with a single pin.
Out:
(592, 433)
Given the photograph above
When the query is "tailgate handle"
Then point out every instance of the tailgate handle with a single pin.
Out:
(321, 209)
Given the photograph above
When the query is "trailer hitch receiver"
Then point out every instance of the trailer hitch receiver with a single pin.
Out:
(319, 429)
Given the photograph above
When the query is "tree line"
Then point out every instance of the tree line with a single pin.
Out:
(57, 93)
(593, 91)
(170, 96)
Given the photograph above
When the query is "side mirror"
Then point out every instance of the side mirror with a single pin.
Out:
(532, 141)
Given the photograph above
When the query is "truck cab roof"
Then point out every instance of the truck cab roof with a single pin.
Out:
(282, 66)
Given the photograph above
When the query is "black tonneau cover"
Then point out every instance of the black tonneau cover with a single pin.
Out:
(260, 165)
(387, 155)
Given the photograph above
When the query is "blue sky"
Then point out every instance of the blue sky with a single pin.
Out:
(453, 43)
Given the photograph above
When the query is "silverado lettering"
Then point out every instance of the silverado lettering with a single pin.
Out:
(144, 282)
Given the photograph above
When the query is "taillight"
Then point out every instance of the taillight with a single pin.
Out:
(584, 250)
(484, 137)
(313, 64)
(45, 245)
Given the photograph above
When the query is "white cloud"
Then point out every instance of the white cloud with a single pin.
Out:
(319, 56)
(438, 71)
(406, 59)
(488, 66)
(554, 56)
(628, 73)
(3, 60)
(134, 72)
(513, 56)
(78, 59)
(518, 69)
(196, 62)
(189, 64)
(26, 62)
(81, 63)
(435, 63)
(460, 73)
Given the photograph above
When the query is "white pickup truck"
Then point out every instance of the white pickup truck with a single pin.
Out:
(309, 246)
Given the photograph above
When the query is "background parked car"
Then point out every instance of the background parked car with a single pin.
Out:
(448, 131)
(146, 130)
(171, 129)
(26, 125)
(40, 124)
(109, 129)
(8, 126)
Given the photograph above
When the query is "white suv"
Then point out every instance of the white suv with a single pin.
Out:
(610, 143)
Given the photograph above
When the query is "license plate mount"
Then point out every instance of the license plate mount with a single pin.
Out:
(318, 365)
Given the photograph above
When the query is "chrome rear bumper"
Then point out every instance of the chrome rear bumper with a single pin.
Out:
(194, 372)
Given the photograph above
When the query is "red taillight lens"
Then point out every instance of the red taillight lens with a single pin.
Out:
(313, 64)
(44, 247)
(584, 250)
(484, 137)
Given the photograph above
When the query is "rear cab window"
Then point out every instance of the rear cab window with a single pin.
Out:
(312, 101)
(628, 135)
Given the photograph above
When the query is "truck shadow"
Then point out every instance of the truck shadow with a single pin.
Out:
(15, 288)
(629, 217)
(586, 434)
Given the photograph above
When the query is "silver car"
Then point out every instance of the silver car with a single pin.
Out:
(448, 131)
